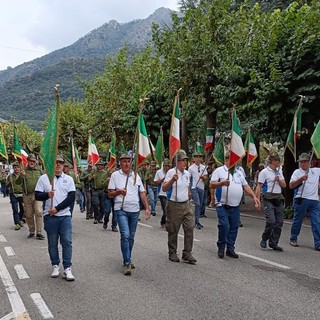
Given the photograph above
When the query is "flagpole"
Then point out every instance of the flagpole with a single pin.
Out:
(295, 143)
(56, 91)
(133, 151)
(178, 98)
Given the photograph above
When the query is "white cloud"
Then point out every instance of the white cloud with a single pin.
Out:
(36, 27)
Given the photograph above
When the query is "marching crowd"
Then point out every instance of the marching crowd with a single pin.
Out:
(123, 193)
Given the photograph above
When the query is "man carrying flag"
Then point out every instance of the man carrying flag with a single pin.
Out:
(58, 191)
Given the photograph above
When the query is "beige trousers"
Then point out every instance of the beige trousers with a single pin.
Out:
(33, 213)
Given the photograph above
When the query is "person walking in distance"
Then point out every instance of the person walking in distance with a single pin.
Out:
(97, 179)
(270, 184)
(57, 217)
(305, 182)
(229, 191)
(198, 175)
(179, 211)
(32, 207)
(84, 178)
(14, 185)
(124, 187)
(158, 181)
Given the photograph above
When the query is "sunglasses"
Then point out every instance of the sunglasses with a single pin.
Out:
(59, 162)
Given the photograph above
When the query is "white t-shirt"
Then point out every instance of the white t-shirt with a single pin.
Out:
(131, 201)
(267, 176)
(195, 173)
(235, 192)
(62, 186)
(160, 174)
(310, 190)
(182, 185)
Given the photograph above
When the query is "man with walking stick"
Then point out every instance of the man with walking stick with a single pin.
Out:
(179, 211)
(305, 181)
(270, 183)
(229, 190)
(125, 187)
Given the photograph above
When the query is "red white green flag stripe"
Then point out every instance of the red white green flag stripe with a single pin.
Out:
(93, 155)
(113, 155)
(251, 149)
(209, 139)
(174, 139)
(143, 142)
(236, 146)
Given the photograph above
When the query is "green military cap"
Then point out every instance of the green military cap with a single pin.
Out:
(166, 162)
(125, 156)
(304, 157)
(196, 154)
(16, 164)
(181, 155)
(100, 163)
(59, 158)
(32, 157)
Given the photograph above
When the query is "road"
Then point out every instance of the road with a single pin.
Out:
(261, 284)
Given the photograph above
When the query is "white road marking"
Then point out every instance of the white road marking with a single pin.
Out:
(9, 316)
(9, 251)
(41, 305)
(144, 225)
(18, 309)
(2, 238)
(182, 236)
(21, 273)
(282, 266)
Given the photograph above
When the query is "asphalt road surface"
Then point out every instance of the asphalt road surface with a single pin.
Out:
(261, 284)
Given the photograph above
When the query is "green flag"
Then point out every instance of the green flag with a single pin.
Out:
(122, 147)
(16, 148)
(295, 131)
(48, 152)
(79, 164)
(3, 149)
(315, 140)
(218, 153)
(159, 149)
(113, 152)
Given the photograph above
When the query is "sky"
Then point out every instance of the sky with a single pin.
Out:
(33, 28)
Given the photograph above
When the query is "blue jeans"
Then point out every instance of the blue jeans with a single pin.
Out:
(228, 225)
(108, 207)
(204, 203)
(17, 208)
(153, 197)
(312, 207)
(80, 198)
(127, 222)
(197, 197)
(59, 227)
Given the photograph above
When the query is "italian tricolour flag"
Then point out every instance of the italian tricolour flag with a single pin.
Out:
(236, 146)
(174, 139)
(112, 150)
(93, 155)
(251, 149)
(143, 142)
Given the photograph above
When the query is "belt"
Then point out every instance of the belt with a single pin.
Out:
(97, 189)
(182, 202)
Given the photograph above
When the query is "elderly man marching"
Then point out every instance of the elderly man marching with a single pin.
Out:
(179, 211)
(270, 183)
(32, 207)
(305, 182)
(198, 175)
(125, 187)
(229, 190)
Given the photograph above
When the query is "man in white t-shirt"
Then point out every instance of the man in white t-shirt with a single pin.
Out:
(198, 175)
(305, 182)
(179, 211)
(124, 187)
(57, 216)
(158, 181)
(270, 184)
(229, 190)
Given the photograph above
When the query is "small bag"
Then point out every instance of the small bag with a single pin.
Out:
(275, 198)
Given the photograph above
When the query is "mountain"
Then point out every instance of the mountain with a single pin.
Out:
(26, 91)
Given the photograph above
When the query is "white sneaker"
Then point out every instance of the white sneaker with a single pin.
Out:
(67, 274)
(55, 272)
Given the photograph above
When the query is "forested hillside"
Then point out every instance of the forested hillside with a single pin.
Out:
(26, 91)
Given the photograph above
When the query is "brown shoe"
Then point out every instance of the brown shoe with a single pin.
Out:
(173, 257)
(187, 257)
